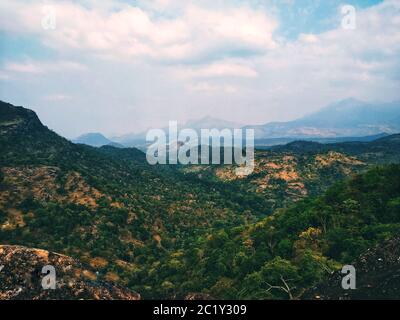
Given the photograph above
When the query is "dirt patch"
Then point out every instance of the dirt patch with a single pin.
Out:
(41, 184)
(332, 157)
(80, 192)
(98, 263)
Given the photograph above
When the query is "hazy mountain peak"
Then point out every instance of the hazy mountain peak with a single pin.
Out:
(349, 101)
(209, 122)
(345, 104)
(91, 135)
(94, 139)
(346, 118)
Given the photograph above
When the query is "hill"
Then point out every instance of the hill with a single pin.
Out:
(114, 205)
(287, 173)
(268, 143)
(284, 255)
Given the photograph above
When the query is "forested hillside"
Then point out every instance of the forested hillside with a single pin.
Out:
(297, 247)
(165, 231)
(103, 204)
(300, 169)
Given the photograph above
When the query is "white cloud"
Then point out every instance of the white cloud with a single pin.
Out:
(207, 87)
(130, 32)
(317, 69)
(220, 69)
(310, 38)
(41, 67)
(23, 67)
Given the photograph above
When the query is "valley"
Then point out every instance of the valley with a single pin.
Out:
(172, 231)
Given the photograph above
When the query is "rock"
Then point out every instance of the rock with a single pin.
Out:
(377, 277)
(21, 278)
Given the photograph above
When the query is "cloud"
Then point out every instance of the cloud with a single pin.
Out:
(310, 38)
(23, 67)
(57, 97)
(130, 32)
(339, 62)
(207, 87)
(42, 67)
(131, 66)
(220, 69)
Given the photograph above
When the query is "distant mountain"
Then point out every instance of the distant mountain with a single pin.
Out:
(347, 118)
(211, 123)
(132, 140)
(93, 139)
(139, 139)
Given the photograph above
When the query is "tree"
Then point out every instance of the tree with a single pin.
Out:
(280, 277)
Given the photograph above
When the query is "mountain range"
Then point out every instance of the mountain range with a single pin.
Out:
(208, 122)
(346, 120)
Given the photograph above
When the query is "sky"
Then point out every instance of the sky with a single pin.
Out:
(119, 66)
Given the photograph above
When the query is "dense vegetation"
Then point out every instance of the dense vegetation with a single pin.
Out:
(295, 247)
(166, 231)
(300, 169)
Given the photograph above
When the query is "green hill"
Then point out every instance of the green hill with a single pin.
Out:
(298, 247)
(103, 202)
(165, 231)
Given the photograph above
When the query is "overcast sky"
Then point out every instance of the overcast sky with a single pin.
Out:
(123, 66)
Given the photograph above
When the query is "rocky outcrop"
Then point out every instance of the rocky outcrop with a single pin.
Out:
(377, 277)
(24, 276)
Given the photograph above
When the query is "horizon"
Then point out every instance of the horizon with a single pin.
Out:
(185, 124)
